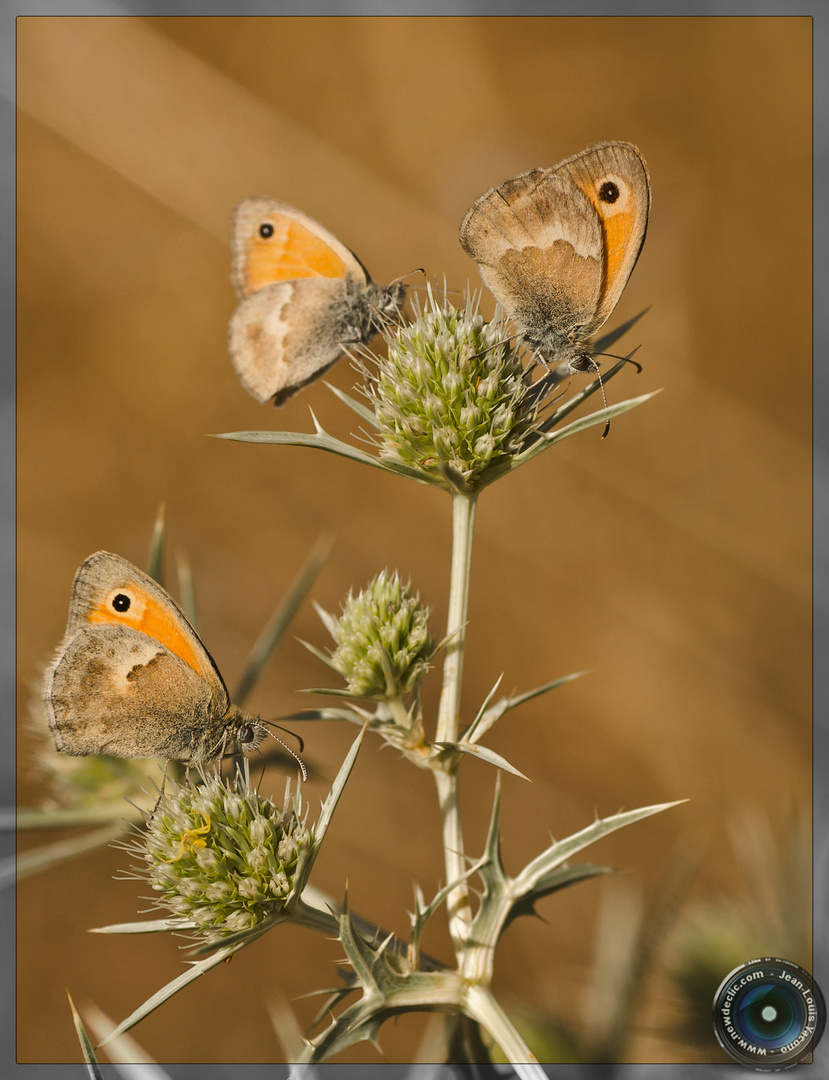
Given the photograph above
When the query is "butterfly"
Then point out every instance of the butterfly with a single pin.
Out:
(132, 678)
(305, 299)
(557, 246)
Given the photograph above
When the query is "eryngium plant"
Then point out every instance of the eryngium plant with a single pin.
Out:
(455, 405)
(451, 394)
(383, 641)
(222, 855)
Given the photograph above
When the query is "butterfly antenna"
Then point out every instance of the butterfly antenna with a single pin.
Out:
(294, 755)
(411, 273)
(606, 431)
(293, 734)
(624, 359)
(595, 368)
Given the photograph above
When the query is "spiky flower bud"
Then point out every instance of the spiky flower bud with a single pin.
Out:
(222, 855)
(451, 391)
(383, 641)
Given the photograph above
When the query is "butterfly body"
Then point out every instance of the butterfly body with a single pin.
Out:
(305, 299)
(132, 678)
(557, 246)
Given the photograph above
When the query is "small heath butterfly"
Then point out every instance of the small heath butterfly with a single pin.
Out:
(131, 677)
(556, 246)
(305, 299)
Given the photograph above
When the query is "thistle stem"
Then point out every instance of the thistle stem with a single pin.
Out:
(446, 779)
(482, 1006)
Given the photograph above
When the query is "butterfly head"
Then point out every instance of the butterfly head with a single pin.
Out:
(386, 304)
(241, 733)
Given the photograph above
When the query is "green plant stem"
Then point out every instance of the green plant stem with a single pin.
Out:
(482, 1006)
(446, 778)
(399, 712)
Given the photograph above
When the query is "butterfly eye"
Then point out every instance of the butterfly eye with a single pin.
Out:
(121, 602)
(245, 734)
(609, 192)
(266, 230)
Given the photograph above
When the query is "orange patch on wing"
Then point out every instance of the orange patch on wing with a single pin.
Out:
(292, 252)
(149, 618)
(617, 228)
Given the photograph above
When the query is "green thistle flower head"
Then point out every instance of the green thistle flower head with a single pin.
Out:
(223, 856)
(451, 392)
(383, 641)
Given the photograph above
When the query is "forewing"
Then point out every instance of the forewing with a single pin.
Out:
(623, 221)
(298, 247)
(151, 612)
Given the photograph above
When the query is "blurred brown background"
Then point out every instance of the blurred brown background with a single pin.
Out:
(672, 559)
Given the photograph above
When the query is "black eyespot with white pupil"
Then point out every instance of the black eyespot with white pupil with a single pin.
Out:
(266, 230)
(609, 192)
(121, 602)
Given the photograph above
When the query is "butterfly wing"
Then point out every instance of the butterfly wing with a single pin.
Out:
(131, 677)
(273, 242)
(109, 591)
(535, 239)
(113, 690)
(556, 246)
(305, 299)
(615, 178)
(287, 334)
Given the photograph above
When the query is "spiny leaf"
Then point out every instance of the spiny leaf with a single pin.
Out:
(356, 406)
(491, 867)
(482, 752)
(86, 1043)
(485, 719)
(329, 621)
(320, 655)
(124, 1049)
(559, 852)
(321, 440)
(546, 440)
(469, 734)
(423, 913)
(353, 716)
(146, 926)
(195, 971)
(592, 387)
(550, 883)
(336, 791)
